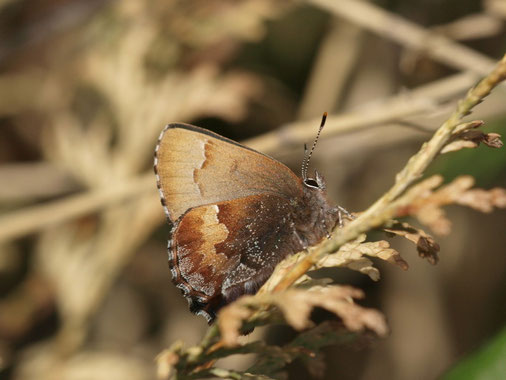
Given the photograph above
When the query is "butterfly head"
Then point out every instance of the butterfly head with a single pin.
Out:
(322, 216)
(316, 183)
(317, 212)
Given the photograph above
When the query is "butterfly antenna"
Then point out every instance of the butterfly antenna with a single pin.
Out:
(307, 157)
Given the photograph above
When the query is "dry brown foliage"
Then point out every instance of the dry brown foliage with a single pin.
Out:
(352, 255)
(296, 305)
(291, 293)
(87, 99)
(470, 137)
(427, 207)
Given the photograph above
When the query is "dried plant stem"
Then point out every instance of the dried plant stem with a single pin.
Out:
(423, 99)
(384, 208)
(409, 34)
(331, 69)
(33, 218)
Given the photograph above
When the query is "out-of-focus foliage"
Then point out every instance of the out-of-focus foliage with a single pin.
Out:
(485, 165)
(487, 363)
(87, 85)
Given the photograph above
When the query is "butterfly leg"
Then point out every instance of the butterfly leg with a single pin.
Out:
(341, 213)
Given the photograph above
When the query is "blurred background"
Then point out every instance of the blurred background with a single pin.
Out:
(86, 87)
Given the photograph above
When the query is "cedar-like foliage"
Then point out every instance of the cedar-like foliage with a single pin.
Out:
(290, 294)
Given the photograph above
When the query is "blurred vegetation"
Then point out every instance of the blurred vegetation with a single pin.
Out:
(487, 166)
(486, 363)
(86, 87)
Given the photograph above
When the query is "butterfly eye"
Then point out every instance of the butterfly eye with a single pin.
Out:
(312, 183)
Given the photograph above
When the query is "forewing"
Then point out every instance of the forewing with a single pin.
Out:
(221, 251)
(195, 167)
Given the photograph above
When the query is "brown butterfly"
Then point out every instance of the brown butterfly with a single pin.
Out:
(235, 214)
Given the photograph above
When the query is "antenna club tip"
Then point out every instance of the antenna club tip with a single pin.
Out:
(324, 118)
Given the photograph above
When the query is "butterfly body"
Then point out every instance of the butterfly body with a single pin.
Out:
(235, 214)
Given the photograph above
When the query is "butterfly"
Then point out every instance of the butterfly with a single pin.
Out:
(235, 214)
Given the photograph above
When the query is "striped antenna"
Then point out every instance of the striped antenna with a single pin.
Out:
(307, 157)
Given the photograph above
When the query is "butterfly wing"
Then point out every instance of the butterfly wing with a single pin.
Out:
(221, 251)
(195, 167)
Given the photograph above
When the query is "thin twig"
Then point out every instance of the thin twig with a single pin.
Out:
(17, 181)
(33, 218)
(331, 70)
(407, 33)
(472, 26)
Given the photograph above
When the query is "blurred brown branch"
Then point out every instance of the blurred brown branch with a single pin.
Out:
(17, 178)
(474, 26)
(331, 70)
(396, 28)
(33, 218)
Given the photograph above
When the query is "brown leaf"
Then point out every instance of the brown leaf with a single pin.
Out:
(428, 209)
(338, 299)
(493, 140)
(296, 306)
(351, 255)
(463, 127)
(382, 250)
(231, 318)
(435, 218)
(425, 245)
(483, 200)
(427, 205)
(467, 136)
(458, 145)
(166, 360)
(427, 249)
